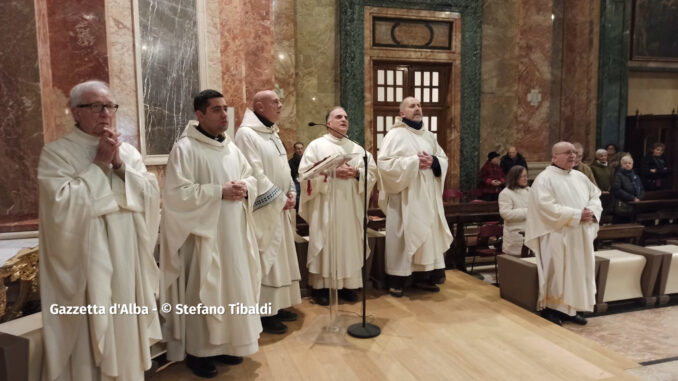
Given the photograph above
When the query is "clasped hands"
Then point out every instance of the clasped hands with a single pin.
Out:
(587, 215)
(108, 151)
(425, 160)
(345, 171)
(234, 190)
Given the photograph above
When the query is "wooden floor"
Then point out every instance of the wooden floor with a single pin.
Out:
(465, 332)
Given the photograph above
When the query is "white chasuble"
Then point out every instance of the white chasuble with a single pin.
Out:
(347, 224)
(266, 154)
(417, 235)
(209, 253)
(98, 230)
(563, 245)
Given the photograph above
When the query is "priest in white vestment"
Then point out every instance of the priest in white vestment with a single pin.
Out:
(349, 201)
(412, 168)
(99, 215)
(562, 221)
(209, 253)
(258, 140)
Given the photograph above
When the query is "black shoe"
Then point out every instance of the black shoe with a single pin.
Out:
(321, 296)
(426, 286)
(396, 292)
(576, 319)
(348, 295)
(440, 280)
(552, 316)
(284, 315)
(272, 324)
(201, 366)
(228, 359)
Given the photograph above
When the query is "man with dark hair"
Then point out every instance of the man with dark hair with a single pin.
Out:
(258, 139)
(294, 167)
(99, 215)
(412, 168)
(209, 254)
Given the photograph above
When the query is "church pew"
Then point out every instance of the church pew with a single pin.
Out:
(519, 281)
(630, 232)
(667, 281)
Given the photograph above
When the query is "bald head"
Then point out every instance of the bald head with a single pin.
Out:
(410, 108)
(267, 104)
(563, 155)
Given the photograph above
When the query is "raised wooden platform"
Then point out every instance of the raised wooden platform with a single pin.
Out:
(465, 332)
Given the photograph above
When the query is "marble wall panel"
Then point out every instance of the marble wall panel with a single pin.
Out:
(213, 45)
(247, 62)
(653, 93)
(122, 68)
(317, 67)
(284, 27)
(169, 69)
(535, 31)
(78, 51)
(21, 136)
(499, 70)
(579, 89)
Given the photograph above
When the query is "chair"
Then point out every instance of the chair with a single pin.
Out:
(488, 234)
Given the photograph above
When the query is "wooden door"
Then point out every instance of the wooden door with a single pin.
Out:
(394, 81)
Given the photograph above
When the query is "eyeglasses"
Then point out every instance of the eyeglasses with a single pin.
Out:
(567, 153)
(98, 107)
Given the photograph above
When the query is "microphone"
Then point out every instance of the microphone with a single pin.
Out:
(312, 124)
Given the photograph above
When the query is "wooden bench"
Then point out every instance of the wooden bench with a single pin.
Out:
(630, 232)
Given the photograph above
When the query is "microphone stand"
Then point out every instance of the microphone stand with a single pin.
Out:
(363, 330)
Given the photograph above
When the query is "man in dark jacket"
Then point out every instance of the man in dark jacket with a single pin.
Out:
(513, 157)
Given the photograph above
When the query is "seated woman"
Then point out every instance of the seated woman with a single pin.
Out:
(491, 178)
(626, 187)
(513, 209)
(654, 168)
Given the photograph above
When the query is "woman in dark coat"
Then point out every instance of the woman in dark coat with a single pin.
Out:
(626, 187)
(654, 168)
(491, 178)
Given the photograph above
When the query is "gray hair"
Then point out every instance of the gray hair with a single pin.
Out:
(78, 90)
(626, 158)
(600, 152)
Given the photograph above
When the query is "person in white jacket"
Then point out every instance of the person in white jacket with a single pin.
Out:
(513, 209)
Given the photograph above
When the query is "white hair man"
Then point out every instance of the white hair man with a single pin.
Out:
(602, 171)
(412, 168)
(563, 211)
(99, 215)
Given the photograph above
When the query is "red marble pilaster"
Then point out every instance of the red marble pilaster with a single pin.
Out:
(246, 51)
(76, 42)
(580, 73)
(535, 33)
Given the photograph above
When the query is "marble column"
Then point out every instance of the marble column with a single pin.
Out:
(533, 93)
(247, 61)
(21, 137)
(284, 44)
(579, 84)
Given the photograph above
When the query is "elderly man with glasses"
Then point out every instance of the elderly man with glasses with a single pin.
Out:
(99, 215)
(563, 211)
